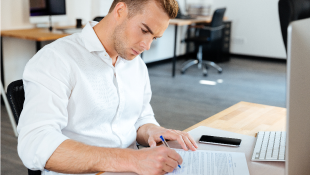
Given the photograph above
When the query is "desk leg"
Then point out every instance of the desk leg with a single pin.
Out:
(175, 50)
(2, 71)
(4, 99)
(38, 45)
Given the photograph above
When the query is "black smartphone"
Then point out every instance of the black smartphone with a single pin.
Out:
(220, 140)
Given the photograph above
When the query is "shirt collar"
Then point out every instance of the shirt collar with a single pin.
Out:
(91, 41)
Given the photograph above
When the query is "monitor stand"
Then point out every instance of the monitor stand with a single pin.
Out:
(50, 21)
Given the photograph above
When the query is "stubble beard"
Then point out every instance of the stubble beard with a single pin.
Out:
(119, 40)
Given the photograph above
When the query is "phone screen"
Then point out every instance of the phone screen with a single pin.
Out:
(220, 140)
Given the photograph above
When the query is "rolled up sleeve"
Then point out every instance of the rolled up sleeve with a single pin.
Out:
(47, 86)
(147, 114)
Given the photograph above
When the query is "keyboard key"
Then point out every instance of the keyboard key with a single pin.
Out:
(270, 146)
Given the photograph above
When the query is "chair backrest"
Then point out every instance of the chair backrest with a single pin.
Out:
(16, 97)
(292, 10)
(217, 19)
(98, 18)
(214, 36)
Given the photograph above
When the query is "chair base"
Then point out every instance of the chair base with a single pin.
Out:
(201, 64)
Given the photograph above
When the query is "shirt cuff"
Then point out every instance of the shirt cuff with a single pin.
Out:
(141, 122)
(49, 144)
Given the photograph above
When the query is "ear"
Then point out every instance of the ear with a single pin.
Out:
(120, 11)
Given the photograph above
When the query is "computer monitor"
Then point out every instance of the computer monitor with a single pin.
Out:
(298, 98)
(41, 10)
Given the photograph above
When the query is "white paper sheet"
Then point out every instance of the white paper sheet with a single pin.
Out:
(203, 162)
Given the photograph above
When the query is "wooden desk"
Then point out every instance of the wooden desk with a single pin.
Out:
(247, 118)
(183, 22)
(36, 34)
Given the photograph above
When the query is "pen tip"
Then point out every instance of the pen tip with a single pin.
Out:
(179, 166)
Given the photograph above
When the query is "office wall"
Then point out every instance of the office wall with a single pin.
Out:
(255, 28)
(14, 14)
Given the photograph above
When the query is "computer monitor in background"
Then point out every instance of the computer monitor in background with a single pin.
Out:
(298, 98)
(41, 10)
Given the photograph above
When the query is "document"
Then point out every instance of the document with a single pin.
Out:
(203, 162)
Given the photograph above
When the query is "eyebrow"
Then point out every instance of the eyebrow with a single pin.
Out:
(149, 29)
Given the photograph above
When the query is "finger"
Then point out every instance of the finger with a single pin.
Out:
(176, 135)
(180, 140)
(188, 143)
(192, 140)
(152, 142)
(168, 168)
(173, 163)
(172, 154)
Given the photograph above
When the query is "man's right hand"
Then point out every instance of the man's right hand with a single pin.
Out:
(157, 160)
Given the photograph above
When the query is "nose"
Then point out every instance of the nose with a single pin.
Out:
(146, 44)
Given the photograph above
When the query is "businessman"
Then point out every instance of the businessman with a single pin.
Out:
(87, 98)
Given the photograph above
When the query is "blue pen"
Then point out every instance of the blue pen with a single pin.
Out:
(165, 143)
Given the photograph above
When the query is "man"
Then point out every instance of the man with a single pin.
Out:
(87, 98)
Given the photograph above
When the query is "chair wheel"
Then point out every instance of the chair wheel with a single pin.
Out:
(220, 71)
(205, 75)
(182, 72)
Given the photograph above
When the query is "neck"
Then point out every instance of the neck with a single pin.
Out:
(104, 30)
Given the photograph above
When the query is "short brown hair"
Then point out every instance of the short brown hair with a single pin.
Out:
(171, 7)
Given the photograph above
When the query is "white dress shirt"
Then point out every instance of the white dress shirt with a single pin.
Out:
(72, 91)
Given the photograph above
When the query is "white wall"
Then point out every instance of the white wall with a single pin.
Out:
(255, 27)
(104, 7)
(14, 14)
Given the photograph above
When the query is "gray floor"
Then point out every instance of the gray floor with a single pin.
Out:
(180, 102)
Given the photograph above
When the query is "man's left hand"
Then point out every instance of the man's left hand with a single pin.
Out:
(183, 138)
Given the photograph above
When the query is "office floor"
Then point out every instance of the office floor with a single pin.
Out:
(182, 101)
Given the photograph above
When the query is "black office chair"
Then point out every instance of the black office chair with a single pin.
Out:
(16, 97)
(291, 10)
(207, 36)
(98, 18)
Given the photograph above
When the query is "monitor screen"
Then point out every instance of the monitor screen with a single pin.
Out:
(47, 7)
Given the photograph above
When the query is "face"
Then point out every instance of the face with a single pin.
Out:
(135, 34)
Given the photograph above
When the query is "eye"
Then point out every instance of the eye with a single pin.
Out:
(143, 31)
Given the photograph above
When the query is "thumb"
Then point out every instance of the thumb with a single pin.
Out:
(152, 142)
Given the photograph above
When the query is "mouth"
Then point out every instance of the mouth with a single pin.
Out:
(135, 52)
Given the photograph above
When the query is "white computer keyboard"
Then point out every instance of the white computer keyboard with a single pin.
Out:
(270, 146)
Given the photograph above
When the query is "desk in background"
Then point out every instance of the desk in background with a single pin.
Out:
(36, 34)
